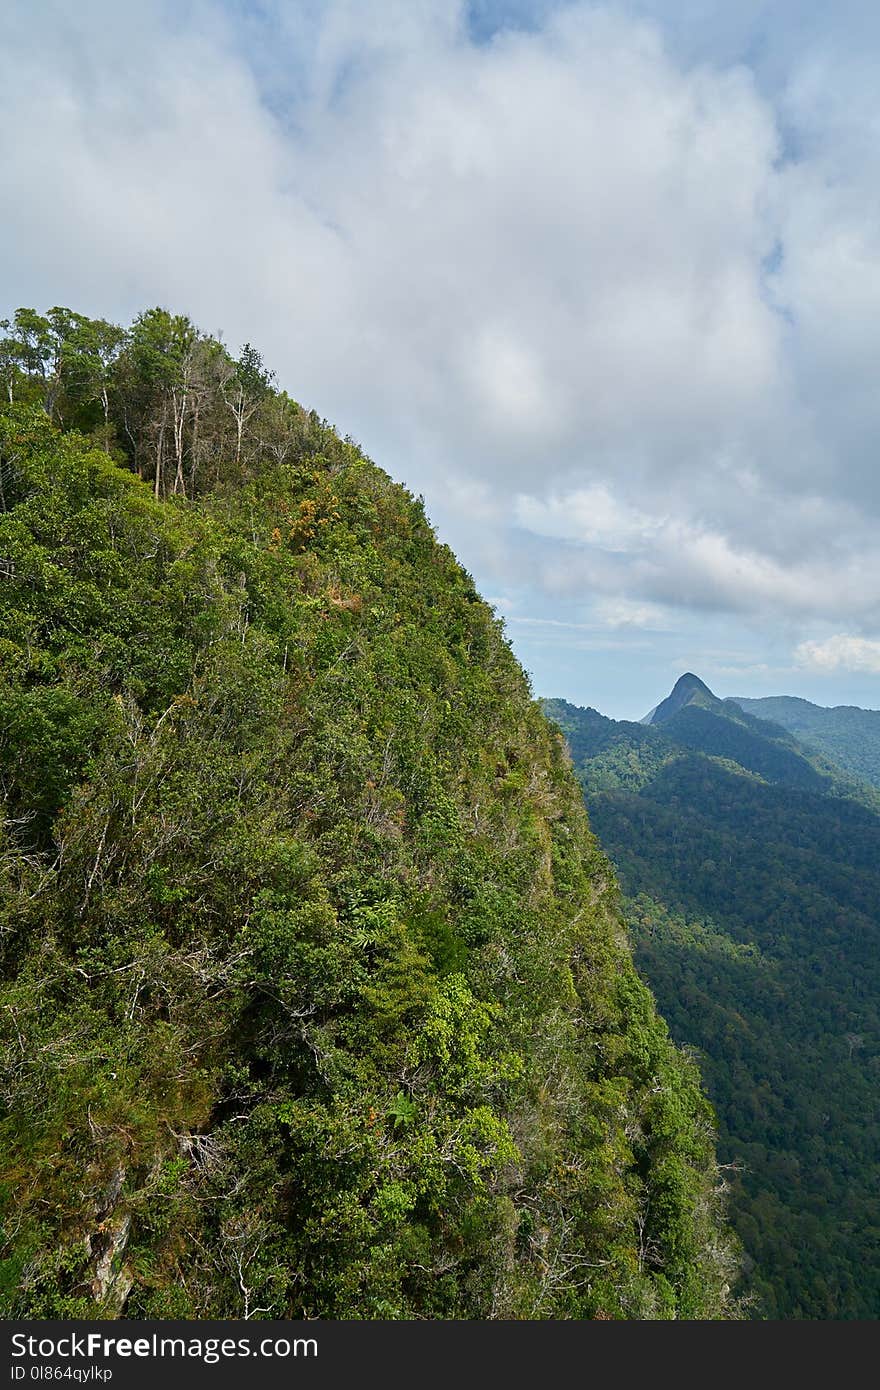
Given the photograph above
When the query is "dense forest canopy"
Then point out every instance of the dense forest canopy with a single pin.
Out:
(848, 735)
(316, 995)
(752, 869)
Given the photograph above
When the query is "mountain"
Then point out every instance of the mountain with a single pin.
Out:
(315, 995)
(848, 735)
(751, 868)
(688, 690)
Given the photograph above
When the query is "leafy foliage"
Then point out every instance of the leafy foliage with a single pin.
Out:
(316, 999)
(753, 871)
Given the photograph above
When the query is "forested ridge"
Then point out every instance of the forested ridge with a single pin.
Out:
(752, 872)
(848, 735)
(316, 997)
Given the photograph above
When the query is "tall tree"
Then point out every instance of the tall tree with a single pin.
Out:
(158, 387)
(246, 384)
(93, 348)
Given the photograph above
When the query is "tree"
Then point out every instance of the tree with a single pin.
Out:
(158, 386)
(9, 359)
(30, 344)
(93, 350)
(280, 423)
(244, 385)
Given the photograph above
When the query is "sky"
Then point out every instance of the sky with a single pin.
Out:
(600, 282)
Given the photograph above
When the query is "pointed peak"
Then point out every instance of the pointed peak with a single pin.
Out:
(689, 683)
(686, 689)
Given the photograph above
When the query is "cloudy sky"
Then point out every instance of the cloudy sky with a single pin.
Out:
(601, 281)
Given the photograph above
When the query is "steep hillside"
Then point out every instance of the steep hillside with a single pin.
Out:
(688, 690)
(316, 998)
(849, 736)
(752, 871)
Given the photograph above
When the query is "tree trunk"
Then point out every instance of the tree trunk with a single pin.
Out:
(179, 408)
(160, 449)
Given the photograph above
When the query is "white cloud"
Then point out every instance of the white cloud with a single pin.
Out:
(622, 612)
(592, 515)
(524, 254)
(610, 304)
(840, 652)
(671, 561)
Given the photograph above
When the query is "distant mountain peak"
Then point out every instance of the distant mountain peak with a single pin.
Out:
(687, 688)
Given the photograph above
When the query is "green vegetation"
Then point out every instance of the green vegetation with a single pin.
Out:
(849, 736)
(753, 874)
(316, 997)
